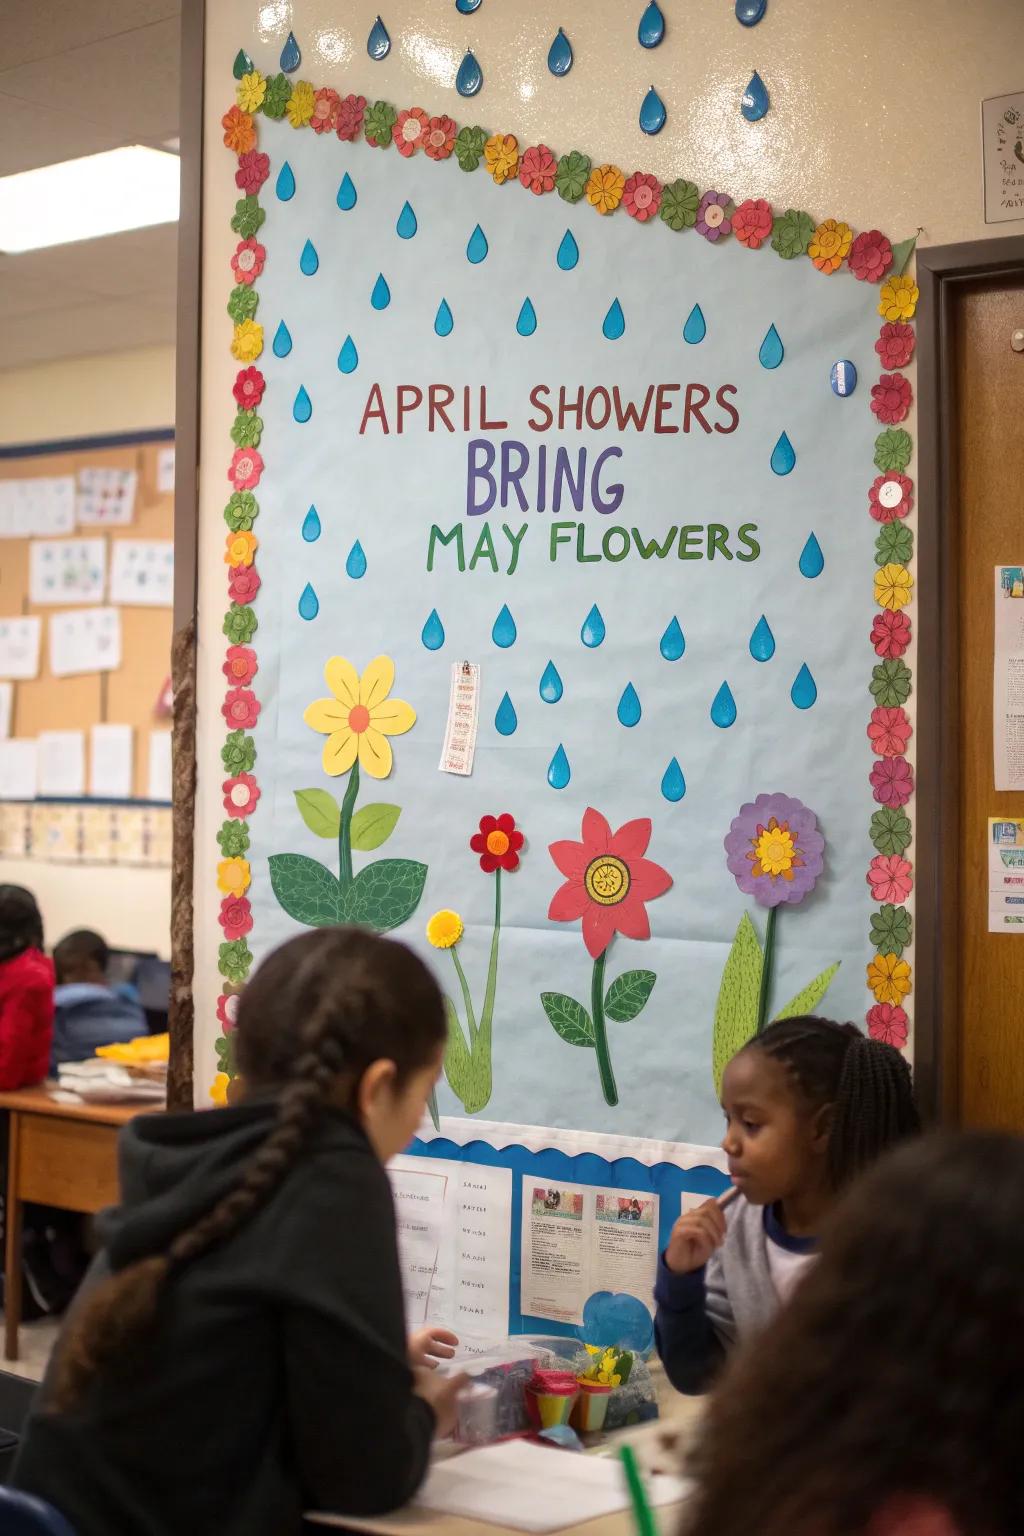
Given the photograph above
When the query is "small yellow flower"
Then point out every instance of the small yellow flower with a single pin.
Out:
(830, 245)
(893, 585)
(605, 188)
(445, 929)
(889, 978)
(300, 104)
(233, 876)
(240, 548)
(250, 91)
(501, 156)
(359, 717)
(219, 1089)
(898, 298)
(247, 342)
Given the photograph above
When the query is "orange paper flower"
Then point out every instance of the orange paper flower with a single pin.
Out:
(239, 133)
(501, 156)
(240, 549)
(830, 245)
(889, 978)
(605, 188)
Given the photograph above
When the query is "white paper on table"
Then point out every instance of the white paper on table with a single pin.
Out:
(6, 707)
(110, 761)
(165, 470)
(577, 1240)
(1008, 678)
(18, 769)
(106, 497)
(19, 647)
(62, 764)
(142, 573)
(67, 570)
(159, 766)
(88, 640)
(29, 508)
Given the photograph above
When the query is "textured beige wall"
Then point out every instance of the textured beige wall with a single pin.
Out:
(88, 396)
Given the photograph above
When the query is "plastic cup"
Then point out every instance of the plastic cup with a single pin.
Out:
(476, 1420)
(550, 1398)
(591, 1406)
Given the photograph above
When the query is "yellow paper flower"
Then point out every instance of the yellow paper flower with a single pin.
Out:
(898, 298)
(830, 245)
(233, 876)
(445, 929)
(501, 156)
(893, 584)
(359, 717)
(301, 103)
(889, 978)
(605, 188)
(247, 342)
(250, 91)
(219, 1089)
(240, 548)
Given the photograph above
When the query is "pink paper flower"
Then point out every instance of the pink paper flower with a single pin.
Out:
(350, 117)
(607, 881)
(641, 196)
(248, 388)
(253, 170)
(715, 215)
(241, 708)
(537, 169)
(240, 795)
(890, 634)
(889, 731)
(753, 222)
(247, 262)
(891, 397)
(895, 344)
(227, 1010)
(246, 469)
(439, 138)
(891, 879)
(890, 496)
(409, 130)
(888, 1022)
(326, 105)
(892, 781)
(870, 256)
(243, 583)
(240, 665)
(235, 917)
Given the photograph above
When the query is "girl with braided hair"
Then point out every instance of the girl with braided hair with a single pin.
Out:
(237, 1353)
(808, 1103)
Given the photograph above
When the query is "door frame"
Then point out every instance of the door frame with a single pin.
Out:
(942, 271)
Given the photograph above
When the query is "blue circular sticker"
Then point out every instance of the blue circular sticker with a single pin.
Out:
(844, 377)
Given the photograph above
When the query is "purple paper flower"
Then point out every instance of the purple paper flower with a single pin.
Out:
(775, 850)
(714, 216)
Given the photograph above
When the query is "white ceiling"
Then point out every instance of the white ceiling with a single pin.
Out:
(77, 77)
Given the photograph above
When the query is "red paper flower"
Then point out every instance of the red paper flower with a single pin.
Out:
(895, 344)
(227, 1010)
(889, 732)
(240, 795)
(890, 634)
(891, 879)
(439, 138)
(325, 110)
(241, 708)
(409, 130)
(870, 256)
(248, 388)
(235, 917)
(892, 781)
(641, 196)
(888, 1022)
(498, 843)
(537, 169)
(350, 117)
(247, 262)
(753, 223)
(243, 583)
(253, 170)
(245, 469)
(891, 397)
(607, 882)
(890, 496)
(240, 665)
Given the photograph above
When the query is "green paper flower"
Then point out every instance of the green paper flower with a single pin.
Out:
(891, 929)
(239, 624)
(246, 433)
(279, 88)
(248, 217)
(893, 449)
(224, 1046)
(243, 302)
(469, 147)
(378, 123)
(235, 960)
(891, 684)
(894, 545)
(233, 836)
(793, 234)
(238, 754)
(571, 176)
(891, 832)
(679, 203)
(242, 510)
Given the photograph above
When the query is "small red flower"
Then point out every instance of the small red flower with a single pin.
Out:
(235, 917)
(243, 583)
(891, 879)
(889, 731)
(498, 843)
(895, 344)
(248, 260)
(325, 111)
(350, 117)
(538, 169)
(253, 170)
(409, 130)
(641, 196)
(753, 223)
(890, 496)
(240, 665)
(890, 634)
(892, 781)
(891, 397)
(870, 256)
(240, 795)
(227, 1009)
(245, 469)
(439, 138)
(241, 708)
(607, 881)
(248, 388)
(888, 1022)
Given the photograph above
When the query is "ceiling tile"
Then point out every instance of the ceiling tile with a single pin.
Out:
(37, 29)
(83, 330)
(30, 139)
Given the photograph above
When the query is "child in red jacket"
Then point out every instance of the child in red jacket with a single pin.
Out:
(26, 992)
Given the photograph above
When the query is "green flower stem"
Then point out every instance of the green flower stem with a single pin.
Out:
(492, 972)
(345, 831)
(466, 998)
(767, 966)
(604, 1061)
(432, 1106)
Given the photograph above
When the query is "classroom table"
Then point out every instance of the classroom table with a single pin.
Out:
(57, 1154)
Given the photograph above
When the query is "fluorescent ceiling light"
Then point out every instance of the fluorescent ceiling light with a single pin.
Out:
(128, 188)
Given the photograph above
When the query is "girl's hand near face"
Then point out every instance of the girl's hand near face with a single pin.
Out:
(695, 1237)
(429, 1345)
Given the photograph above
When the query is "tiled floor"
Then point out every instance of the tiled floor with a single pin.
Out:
(36, 1340)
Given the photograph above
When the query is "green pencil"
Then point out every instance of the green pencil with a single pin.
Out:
(643, 1515)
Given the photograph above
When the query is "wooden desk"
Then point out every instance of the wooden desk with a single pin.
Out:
(57, 1154)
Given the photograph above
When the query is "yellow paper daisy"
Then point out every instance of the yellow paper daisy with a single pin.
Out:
(889, 978)
(300, 104)
(830, 245)
(233, 876)
(445, 929)
(247, 341)
(219, 1089)
(250, 91)
(359, 717)
(240, 548)
(501, 157)
(893, 585)
(605, 188)
(898, 298)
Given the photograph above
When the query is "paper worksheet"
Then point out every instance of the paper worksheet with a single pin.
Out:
(1005, 875)
(1008, 678)
(577, 1240)
(85, 640)
(67, 570)
(38, 507)
(142, 573)
(105, 497)
(159, 785)
(62, 764)
(165, 469)
(6, 709)
(19, 647)
(110, 761)
(18, 769)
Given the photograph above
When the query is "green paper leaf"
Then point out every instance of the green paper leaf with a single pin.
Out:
(624, 1367)
(571, 176)
(240, 624)
(233, 838)
(378, 123)
(320, 811)
(894, 544)
(306, 889)
(893, 450)
(234, 960)
(891, 832)
(243, 65)
(246, 432)
(248, 217)
(891, 683)
(679, 203)
(458, 1060)
(569, 1018)
(901, 255)
(736, 1009)
(469, 147)
(372, 825)
(891, 929)
(238, 754)
(275, 102)
(807, 1000)
(385, 894)
(628, 994)
(792, 234)
(224, 1047)
(241, 511)
(243, 302)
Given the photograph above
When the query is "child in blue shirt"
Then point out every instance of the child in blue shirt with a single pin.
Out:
(89, 1013)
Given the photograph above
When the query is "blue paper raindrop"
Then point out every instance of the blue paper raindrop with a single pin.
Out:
(560, 54)
(843, 377)
(380, 298)
(750, 12)
(470, 76)
(783, 456)
(772, 351)
(527, 322)
(652, 26)
(812, 561)
(673, 785)
(291, 57)
(673, 642)
(614, 321)
(804, 690)
(311, 526)
(568, 252)
(723, 707)
(467, 7)
(346, 198)
(302, 409)
(309, 603)
(432, 633)
(378, 44)
(762, 641)
(284, 186)
(476, 248)
(355, 565)
(593, 631)
(550, 684)
(695, 328)
(754, 102)
(309, 261)
(504, 631)
(407, 225)
(652, 113)
(348, 357)
(505, 719)
(282, 343)
(559, 772)
(628, 711)
(443, 322)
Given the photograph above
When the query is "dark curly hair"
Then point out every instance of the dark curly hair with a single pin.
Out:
(896, 1371)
